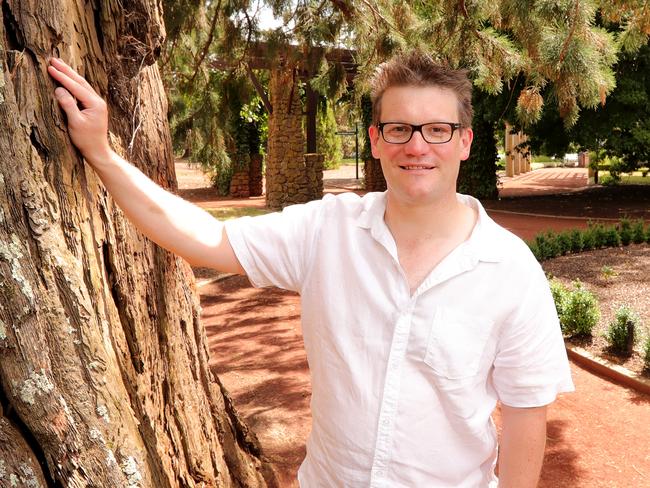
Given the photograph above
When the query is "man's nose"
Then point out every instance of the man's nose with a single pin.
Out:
(417, 144)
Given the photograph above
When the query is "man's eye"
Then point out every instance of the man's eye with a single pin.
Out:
(398, 129)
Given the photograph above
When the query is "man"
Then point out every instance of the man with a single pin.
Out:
(418, 311)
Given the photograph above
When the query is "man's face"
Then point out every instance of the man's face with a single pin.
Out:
(417, 172)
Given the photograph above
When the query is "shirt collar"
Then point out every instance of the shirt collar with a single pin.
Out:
(482, 244)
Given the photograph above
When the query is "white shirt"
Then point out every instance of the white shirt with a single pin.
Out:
(403, 386)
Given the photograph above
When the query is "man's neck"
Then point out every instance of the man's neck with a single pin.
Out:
(442, 219)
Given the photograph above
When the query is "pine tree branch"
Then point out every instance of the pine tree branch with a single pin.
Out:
(259, 89)
(565, 47)
(206, 47)
(376, 14)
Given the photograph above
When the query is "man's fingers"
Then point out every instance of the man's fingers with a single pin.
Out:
(62, 66)
(67, 102)
(85, 95)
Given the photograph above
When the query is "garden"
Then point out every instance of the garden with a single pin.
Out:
(598, 278)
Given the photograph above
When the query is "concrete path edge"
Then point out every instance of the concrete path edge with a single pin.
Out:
(603, 367)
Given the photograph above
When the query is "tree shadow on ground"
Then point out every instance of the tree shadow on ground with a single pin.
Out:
(560, 466)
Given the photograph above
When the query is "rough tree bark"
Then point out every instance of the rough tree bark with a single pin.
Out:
(104, 377)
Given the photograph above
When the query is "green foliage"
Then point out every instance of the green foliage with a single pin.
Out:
(646, 353)
(549, 244)
(577, 308)
(581, 312)
(577, 240)
(623, 330)
(638, 231)
(564, 242)
(625, 231)
(365, 107)
(546, 245)
(618, 129)
(328, 143)
(588, 239)
(560, 295)
(477, 176)
(607, 272)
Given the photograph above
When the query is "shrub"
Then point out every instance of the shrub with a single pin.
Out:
(560, 295)
(581, 312)
(600, 235)
(622, 331)
(610, 180)
(563, 241)
(646, 353)
(588, 239)
(625, 231)
(612, 238)
(638, 231)
(547, 246)
(577, 240)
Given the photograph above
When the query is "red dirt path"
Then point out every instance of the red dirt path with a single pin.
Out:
(597, 437)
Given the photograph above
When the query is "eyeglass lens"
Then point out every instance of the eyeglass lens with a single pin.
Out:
(435, 133)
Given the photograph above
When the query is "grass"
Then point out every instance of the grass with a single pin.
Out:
(228, 213)
(629, 179)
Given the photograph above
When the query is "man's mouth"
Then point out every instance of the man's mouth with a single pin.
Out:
(409, 167)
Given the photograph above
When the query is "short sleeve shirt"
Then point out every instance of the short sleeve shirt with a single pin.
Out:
(404, 384)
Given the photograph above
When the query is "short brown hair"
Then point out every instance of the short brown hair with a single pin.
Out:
(417, 68)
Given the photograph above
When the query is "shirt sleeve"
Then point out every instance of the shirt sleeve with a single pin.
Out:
(275, 249)
(531, 367)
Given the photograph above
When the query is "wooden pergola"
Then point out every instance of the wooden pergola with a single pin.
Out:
(258, 57)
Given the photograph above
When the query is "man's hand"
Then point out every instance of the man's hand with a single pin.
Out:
(163, 217)
(88, 127)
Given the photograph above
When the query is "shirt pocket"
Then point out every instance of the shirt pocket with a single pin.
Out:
(457, 343)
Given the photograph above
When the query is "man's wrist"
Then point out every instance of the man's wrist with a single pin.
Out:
(100, 159)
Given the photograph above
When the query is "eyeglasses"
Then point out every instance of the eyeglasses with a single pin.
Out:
(433, 132)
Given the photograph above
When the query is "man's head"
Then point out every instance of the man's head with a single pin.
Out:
(419, 69)
(421, 128)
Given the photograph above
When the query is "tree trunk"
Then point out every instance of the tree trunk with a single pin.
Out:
(104, 377)
(286, 175)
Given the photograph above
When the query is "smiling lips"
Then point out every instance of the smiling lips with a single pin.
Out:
(415, 167)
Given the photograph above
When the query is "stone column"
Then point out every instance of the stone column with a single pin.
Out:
(518, 159)
(255, 176)
(239, 187)
(286, 179)
(314, 165)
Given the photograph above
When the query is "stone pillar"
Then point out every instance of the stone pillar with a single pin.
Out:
(255, 176)
(239, 187)
(373, 175)
(286, 179)
(314, 165)
(518, 158)
(583, 159)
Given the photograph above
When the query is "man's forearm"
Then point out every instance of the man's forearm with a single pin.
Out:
(521, 450)
(165, 218)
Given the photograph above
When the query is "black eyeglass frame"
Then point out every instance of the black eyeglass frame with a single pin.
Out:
(418, 128)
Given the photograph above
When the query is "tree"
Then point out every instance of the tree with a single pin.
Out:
(329, 143)
(104, 377)
(620, 128)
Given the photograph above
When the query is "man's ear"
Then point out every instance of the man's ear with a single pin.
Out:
(466, 138)
(373, 134)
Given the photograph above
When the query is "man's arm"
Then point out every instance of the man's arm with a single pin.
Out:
(521, 450)
(163, 217)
